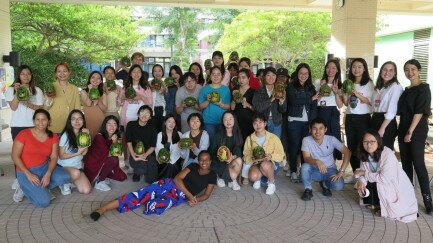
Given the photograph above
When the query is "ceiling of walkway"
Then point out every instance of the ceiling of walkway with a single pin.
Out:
(424, 7)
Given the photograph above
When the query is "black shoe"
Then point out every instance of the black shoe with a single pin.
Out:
(308, 194)
(136, 178)
(427, 203)
(325, 191)
(95, 216)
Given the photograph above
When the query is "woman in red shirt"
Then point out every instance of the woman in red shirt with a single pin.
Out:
(35, 154)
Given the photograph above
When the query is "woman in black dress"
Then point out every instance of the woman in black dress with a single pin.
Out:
(243, 107)
(414, 109)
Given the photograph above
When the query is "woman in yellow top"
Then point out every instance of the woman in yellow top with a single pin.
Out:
(268, 163)
(65, 100)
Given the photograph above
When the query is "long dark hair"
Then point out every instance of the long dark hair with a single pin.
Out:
(69, 130)
(175, 136)
(47, 114)
(200, 77)
(380, 83)
(177, 69)
(103, 130)
(32, 85)
(153, 70)
(199, 116)
(237, 135)
(365, 75)
(363, 155)
(220, 54)
(143, 83)
(100, 86)
(337, 75)
(308, 82)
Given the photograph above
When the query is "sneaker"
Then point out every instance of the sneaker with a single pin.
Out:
(52, 196)
(18, 195)
(294, 177)
(221, 182)
(102, 186)
(65, 189)
(130, 170)
(15, 184)
(136, 178)
(271, 189)
(245, 181)
(257, 184)
(286, 167)
(325, 191)
(308, 194)
(235, 186)
(348, 180)
(107, 181)
(72, 185)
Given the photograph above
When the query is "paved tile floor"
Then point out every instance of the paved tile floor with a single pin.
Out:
(243, 216)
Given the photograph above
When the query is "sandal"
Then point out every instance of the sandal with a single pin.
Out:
(377, 213)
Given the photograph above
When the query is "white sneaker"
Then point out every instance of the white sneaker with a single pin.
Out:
(286, 167)
(271, 189)
(107, 181)
(15, 184)
(221, 182)
(18, 195)
(235, 186)
(65, 189)
(257, 184)
(294, 176)
(102, 186)
(288, 173)
(348, 180)
(130, 170)
(230, 184)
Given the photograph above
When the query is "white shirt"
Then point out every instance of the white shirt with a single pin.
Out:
(386, 99)
(361, 107)
(175, 151)
(326, 100)
(23, 116)
(74, 162)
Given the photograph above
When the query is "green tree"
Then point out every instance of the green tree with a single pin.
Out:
(46, 34)
(287, 38)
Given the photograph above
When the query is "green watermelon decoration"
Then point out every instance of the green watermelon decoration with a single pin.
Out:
(126, 61)
(116, 149)
(215, 97)
(185, 143)
(156, 84)
(163, 156)
(207, 64)
(348, 86)
(50, 91)
(190, 101)
(83, 139)
(223, 153)
(130, 93)
(139, 148)
(235, 83)
(325, 90)
(259, 153)
(23, 94)
(170, 82)
(279, 90)
(94, 94)
(237, 96)
(111, 85)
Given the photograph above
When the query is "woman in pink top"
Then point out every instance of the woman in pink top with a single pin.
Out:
(218, 61)
(139, 82)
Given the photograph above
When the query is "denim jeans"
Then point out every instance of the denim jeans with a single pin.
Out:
(273, 128)
(211, 129)
(311, 172)
(38, 195)
(296, 130)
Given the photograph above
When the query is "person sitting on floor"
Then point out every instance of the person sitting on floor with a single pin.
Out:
(273, 154)
(384, 180)
(166, 193)
(318, 152)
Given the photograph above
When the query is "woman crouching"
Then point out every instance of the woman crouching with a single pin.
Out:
(382, 182)
(166, 193)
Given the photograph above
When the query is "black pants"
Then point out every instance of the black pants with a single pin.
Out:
(147, 168)
(373, 199)
(355, 126)
(390, 131)
(169, 170)
(412, 153)
(158, 117)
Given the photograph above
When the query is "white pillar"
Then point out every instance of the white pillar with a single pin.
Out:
(5, 44)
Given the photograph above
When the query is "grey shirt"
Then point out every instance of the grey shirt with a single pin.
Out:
(181, 94)
(323, 152)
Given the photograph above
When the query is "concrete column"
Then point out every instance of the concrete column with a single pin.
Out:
(5, 48)
(354, 31)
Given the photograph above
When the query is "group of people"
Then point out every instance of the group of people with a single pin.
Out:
(234, 124)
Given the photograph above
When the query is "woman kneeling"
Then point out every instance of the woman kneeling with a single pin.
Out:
(165, 193)
(381, 177)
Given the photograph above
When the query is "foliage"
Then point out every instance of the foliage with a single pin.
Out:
(46, 34)
(220, 18)
(287, 38)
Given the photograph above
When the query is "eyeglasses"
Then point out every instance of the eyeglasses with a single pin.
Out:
(145, 114)
(369, 142)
